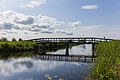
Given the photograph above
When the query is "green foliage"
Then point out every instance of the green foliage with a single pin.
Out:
(3, 39)
(108, 64)
(13, 39)
(16, 46)
(20, 39)
(24, 48)
(56, 77)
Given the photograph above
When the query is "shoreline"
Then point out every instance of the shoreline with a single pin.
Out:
(26, 48)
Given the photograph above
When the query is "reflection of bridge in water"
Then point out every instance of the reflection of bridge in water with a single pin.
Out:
(70, 58)
(67, 41)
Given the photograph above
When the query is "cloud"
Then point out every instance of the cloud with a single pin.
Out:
(3, 33)
(63, 32)
(89, 7)
(33, 4)
(69, 33)
(27, 20)
(11, 32)
(35, 30)
(10, 20)
(17, 24)
(60, 32)
(35, 33)
(47, 31)
(6, 25)
(88, 28)
(40, 26)
(25, 32)
(74, 24)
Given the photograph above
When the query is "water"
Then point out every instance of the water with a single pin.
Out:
(76, 50)
(35, 69)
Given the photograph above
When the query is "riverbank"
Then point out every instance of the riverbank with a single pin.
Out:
(107, 66)
(26, 48)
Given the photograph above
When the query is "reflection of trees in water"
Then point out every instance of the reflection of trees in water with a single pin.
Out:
(28, 64)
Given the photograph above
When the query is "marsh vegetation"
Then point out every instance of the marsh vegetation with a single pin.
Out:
(107, 66)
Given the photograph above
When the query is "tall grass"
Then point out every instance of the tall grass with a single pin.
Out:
(107, 66)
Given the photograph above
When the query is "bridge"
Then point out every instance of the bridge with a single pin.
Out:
(67, 41)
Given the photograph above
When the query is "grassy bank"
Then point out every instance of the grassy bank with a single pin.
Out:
(25, 48)
(107, 66)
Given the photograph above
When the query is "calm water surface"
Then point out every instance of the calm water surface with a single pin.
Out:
(32, 69)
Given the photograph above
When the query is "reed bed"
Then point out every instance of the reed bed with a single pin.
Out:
(107, 67)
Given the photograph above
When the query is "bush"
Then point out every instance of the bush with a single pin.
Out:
(3, 39)
(20, 39)
(13, 39)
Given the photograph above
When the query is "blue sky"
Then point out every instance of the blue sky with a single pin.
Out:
(97, 18)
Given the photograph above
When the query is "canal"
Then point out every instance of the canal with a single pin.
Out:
(28, 68)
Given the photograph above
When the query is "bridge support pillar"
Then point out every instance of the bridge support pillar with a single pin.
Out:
(93, 50)
(67, 49)
(43, 48)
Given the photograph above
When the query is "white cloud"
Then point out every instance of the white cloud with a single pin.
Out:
(27, 20)
(10, 19)
(74, 24)
(5, 25)
(88, 7)
(69, 33)
(13, 22)
(33, 4)
(60, 31)
(91, 31)
(47, 31)
(88, 28)
(63, 32)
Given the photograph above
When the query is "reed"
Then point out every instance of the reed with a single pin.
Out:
(107, 67)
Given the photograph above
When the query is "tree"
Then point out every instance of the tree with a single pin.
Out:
(3, 39)
(13, 39)
(20, 39)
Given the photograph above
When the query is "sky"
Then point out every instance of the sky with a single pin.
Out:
(28, 19)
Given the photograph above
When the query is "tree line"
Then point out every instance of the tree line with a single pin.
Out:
(13, 39)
